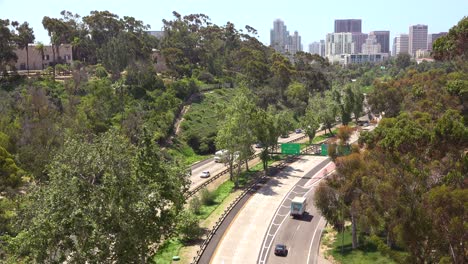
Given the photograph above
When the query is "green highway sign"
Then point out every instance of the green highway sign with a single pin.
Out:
(291, 148)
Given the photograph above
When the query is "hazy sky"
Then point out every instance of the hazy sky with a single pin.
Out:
(313, 19)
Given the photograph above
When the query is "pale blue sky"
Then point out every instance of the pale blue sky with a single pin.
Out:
(312, 18)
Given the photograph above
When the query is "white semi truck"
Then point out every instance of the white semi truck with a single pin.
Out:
(298, 206)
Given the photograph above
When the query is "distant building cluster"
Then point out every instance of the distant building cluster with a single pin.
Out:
(282, 41)
(348, 44)
(41, 57)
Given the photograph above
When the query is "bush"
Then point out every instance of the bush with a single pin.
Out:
(188, 226)
(101, 71)
(206, 77)
(207, 197)
(195, 205)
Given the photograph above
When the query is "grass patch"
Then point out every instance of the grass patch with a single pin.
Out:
(167, 250)
(367, 89)
(182, 151)
(219, 195)
(323, 137)
(200, 124)
(366, 253)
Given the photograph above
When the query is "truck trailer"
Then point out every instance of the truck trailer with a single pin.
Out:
(298, 206)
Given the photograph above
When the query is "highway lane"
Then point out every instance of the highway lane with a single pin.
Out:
(215, 168)
(243, 238)
(301, 236)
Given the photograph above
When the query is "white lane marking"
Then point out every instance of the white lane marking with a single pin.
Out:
(269, 229)
(312, 241)
(298, 227)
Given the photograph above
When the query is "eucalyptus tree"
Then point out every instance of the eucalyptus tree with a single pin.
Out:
(24, 38)
(237, 131)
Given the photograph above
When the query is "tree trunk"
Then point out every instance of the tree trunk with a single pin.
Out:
(27, 59)
(54, 61)
(354, 231)
(247, 164)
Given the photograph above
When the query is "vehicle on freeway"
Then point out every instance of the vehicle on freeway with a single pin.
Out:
(285, 135)
(205, 174)
(221, 155)
(298, 206)
(281, 250)
(259, 145)
(298, 131)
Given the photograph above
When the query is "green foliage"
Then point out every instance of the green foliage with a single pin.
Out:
(454, 44)
(101, 71)
(188, 226)
(207, 197)
(100, 193)
(200, 124)
(7, 46)
(195, 205)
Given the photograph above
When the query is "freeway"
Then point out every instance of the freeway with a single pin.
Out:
(302, 235)
(244, 237)
(215, 168)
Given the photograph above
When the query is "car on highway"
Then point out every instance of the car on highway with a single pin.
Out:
(205, 174)
(281, 250)
(298, 131)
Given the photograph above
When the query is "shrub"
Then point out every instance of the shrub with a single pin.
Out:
(207, 197)
(101, 71)
(195, 205)
(188, 226)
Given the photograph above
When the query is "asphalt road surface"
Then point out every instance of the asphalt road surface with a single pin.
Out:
(301, 235)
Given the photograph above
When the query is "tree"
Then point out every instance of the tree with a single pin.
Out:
(59, 33)
(266, 133)
(403, 60)
(106, 201)
(310, 123)
(24, 37)
(454, 44)
(40, 48)
(7, 54)
(236, 133)
(447, 211)
(325, 108)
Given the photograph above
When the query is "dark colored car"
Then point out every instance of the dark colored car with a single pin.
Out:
(298, 131)
(281, 250)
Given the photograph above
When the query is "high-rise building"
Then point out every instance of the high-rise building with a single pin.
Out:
(322, 47)
(294, 43)
(417, 38)
(348, 25)
(279, 36)
(400, 44)
(359, 39)
(337, 44)
(371, 46)
(383, 38)
(432, 37)
(281, 41)
(314, 48)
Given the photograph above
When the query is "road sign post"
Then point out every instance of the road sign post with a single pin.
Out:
(291, 149)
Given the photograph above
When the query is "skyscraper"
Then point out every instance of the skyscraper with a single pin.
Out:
(359, 39)
(279, 36)
(371, 46)
(314, 48)
(294, 43)
(383, 38)
(400, 43)
(417, 38)
(348, 25)
(337, 44)
(281, 41)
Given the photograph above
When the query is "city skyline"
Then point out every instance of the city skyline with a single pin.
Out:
(312, 20)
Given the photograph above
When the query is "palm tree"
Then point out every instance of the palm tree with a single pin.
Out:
(40, 48)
